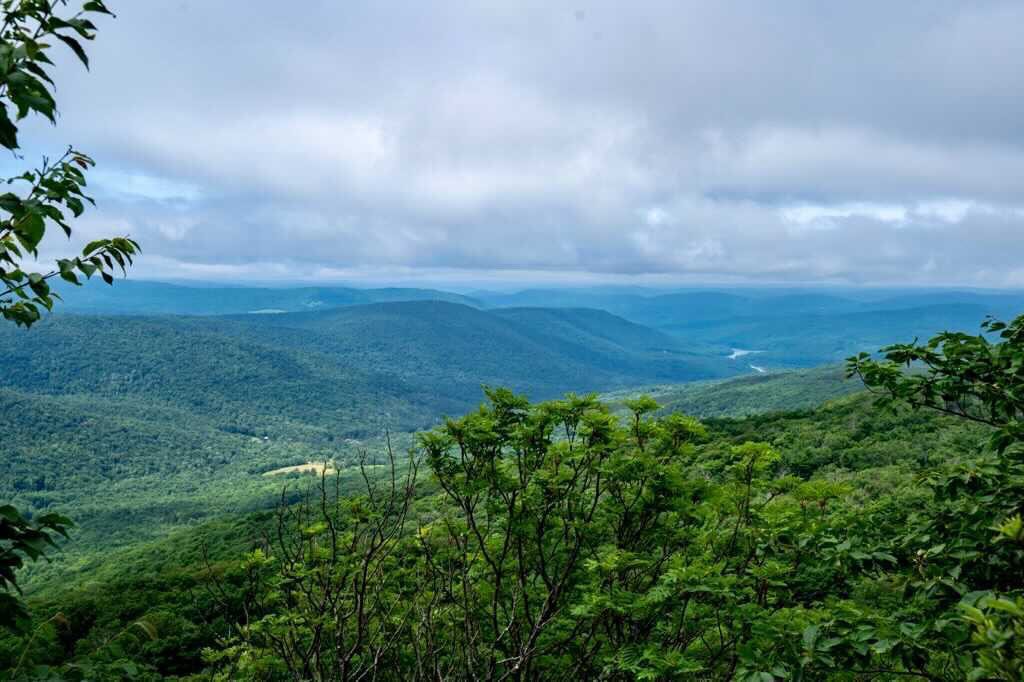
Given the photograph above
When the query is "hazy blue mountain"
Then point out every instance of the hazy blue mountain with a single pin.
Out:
(136, 297)
(675, 335)
(795, 327)
(1003, 305)
(804, 340)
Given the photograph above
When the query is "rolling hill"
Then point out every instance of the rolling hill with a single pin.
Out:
(809, 339)
(788, 390)
(140, 424)
(347, 371)
(796, 327)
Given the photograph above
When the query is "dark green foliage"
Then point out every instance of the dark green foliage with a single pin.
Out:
(22, 539)
(965, 375)
(974, 527)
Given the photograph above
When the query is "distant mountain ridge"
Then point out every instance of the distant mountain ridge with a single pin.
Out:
(139, 297)
(793, 327)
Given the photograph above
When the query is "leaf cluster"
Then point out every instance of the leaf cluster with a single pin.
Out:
(53, 193)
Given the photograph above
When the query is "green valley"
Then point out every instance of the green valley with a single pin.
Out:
(511, 342)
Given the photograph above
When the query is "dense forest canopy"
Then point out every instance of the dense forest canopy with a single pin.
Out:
(563, 539)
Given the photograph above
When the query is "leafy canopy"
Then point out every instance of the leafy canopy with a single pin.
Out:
(966, 375)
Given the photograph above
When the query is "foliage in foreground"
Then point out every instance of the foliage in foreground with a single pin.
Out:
(565, 545)
(558, 541)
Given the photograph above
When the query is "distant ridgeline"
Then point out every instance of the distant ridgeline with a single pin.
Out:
(794, 327)
(133, 297)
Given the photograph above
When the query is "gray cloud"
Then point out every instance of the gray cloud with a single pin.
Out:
(792, 141)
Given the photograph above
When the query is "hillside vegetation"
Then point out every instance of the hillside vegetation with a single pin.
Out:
(840, 480)
(184, 430)
(779, 391)
(801, 529)
(341, 370)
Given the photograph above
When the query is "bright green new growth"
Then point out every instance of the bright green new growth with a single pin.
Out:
(979, 515)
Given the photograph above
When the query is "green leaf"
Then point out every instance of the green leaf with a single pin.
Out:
(76, 47)
(94, 246)
(8, 131)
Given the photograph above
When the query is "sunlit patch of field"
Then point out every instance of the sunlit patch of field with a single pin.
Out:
(318, 468)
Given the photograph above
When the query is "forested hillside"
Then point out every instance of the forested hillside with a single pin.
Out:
(782, 391)
(411, 361)
(105, 459)
(137, 425)
(170, 463)
(129, 469)
(843, 475)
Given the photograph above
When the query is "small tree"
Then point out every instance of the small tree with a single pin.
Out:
(972, 531)
(39, 200)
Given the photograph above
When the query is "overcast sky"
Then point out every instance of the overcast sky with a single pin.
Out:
(867, 142)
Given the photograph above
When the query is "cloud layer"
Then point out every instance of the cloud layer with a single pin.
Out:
(792, 141)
